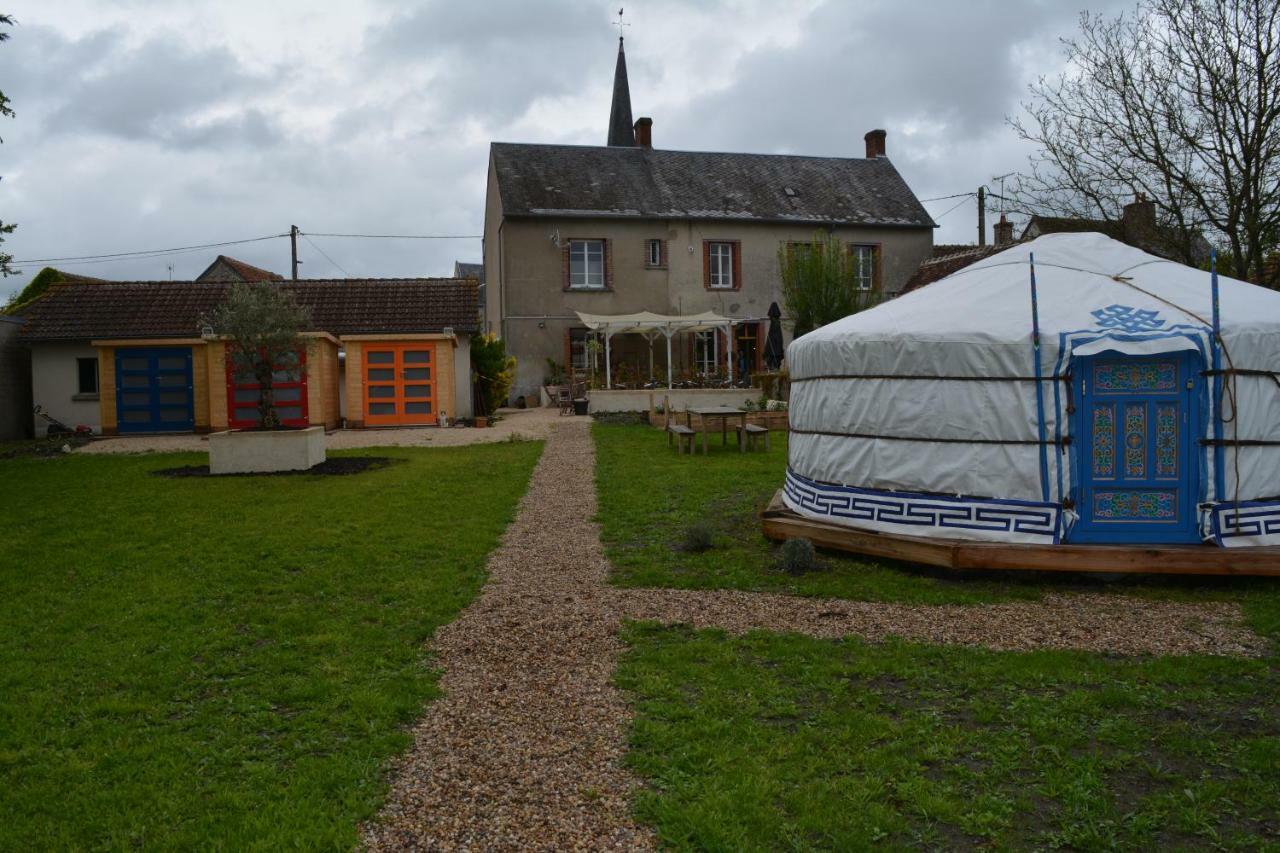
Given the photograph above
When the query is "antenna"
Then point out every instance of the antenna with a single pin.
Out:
(1001, 178)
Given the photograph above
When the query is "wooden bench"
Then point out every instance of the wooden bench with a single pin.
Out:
(752, 434)
(681, 434)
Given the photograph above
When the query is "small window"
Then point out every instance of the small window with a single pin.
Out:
(653, 253)
(88, 375)
(864, 266)
(720, 266)
(586, 264)
(579, 353)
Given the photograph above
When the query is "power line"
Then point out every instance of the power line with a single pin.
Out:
(399, 236)
(326, 257)
(953, 207)
(945, 197)
(148, 253)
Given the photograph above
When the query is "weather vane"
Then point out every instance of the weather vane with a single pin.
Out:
(619, 23)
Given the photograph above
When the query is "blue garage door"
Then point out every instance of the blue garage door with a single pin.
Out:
(154, 390)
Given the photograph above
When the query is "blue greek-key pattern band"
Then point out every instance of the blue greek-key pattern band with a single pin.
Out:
(911, 514)
(1248, 523)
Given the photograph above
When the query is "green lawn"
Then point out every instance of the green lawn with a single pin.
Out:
(225, 663)
(772, 742)
(785, 742)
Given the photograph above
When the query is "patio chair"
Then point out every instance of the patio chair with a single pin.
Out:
(564, 399)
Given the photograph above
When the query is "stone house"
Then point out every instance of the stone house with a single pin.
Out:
(627, 227)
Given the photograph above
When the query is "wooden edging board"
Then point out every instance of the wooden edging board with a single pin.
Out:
(778, 522)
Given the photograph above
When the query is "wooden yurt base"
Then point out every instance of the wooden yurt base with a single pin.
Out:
(779, 522)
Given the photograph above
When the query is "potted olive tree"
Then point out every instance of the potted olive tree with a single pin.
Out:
(262, 325)
(493, 372)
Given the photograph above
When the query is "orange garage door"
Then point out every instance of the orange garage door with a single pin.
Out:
(399, 384)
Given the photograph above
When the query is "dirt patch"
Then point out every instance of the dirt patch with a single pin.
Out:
(337, 466)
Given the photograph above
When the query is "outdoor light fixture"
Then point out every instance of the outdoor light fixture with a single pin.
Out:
(206, 332)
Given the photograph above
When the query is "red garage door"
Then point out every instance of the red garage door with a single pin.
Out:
(288, 387)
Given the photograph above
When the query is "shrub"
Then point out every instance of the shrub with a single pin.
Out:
(797, 557)
(698, 537)
(493, 370)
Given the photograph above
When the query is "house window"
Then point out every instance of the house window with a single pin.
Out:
(720, 266)
(87, 373)
(654, 253)
(864, 266)
(706, 349)
(586, 265)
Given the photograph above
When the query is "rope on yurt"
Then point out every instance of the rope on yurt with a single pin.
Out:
(939, 378)
(834, 434)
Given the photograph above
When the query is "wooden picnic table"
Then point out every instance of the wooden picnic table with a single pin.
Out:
(721, 412)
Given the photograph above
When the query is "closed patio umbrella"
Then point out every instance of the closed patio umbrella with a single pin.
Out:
(773, 343)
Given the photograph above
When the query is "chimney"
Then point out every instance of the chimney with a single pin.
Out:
(1003, 232)
(875, 144)
(1139, 219)
(644, 132)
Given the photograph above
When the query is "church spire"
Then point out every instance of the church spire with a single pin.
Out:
(621, 129)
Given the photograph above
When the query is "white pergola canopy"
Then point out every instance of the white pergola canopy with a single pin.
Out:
(650, 325)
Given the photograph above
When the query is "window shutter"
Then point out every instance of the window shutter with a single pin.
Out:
(607, 251)
(564, 263)
(876, 282)
(706, 264)
(737, 265)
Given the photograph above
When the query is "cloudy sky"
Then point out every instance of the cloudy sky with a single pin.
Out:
(147, 125)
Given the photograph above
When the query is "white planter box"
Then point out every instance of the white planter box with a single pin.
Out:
(249, 451)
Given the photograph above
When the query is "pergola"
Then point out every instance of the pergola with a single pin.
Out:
(649, 326)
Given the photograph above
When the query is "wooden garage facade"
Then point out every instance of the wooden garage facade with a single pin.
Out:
(385, 352)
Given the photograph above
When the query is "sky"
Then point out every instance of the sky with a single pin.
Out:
(146, 125)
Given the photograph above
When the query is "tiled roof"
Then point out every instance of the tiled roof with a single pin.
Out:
(941, 266)
(172, 309)
(571, 180)
(238, 268)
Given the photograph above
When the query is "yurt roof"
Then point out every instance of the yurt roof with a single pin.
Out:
(1084, 281)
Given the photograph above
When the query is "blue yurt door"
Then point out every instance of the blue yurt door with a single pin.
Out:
(1137, 468)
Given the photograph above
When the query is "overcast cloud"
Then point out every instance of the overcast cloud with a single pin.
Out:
(147, 125)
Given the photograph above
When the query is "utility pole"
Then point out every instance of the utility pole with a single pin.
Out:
(293, 241)
(982, 217)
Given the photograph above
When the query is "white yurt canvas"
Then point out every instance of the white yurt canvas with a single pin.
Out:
(924, 416)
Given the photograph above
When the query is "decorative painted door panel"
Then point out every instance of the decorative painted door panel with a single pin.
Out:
(400, 384)
(1138, 468)
(154, 390)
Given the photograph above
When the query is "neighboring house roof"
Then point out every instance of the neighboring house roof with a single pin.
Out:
(173, 309)
(582, 181)
(1134, 230)
(226, 268)
(463, 269)
(954, 258)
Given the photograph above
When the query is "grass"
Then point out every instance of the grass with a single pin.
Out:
(227, 662)
(773, 742)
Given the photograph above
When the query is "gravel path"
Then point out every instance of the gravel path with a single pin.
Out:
(518, 423)
(1095, 623)
(523, 750)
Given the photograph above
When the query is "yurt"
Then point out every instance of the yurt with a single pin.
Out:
(1066, 391)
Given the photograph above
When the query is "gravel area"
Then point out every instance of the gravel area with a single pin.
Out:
(1095, 623)
(515, 423)
(524, 749)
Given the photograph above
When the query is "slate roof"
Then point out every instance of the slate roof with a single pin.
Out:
(577, 180)
(467, 269)
(172, 309)
(246, 272)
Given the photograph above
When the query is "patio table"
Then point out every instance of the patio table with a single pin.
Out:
(721, 412)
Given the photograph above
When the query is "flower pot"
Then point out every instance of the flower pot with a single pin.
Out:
(482, 421)
(256, 451)
(580, 407)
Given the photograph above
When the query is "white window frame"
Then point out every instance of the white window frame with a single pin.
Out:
(720, 265)
(579, 349)
(864, 262)
(706, 343)
(653, 251)
(581, 254)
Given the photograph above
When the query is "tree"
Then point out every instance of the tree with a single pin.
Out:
(264, 324)
(494, 370)
(820, 282)
(1178, 101)
(5, 110)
